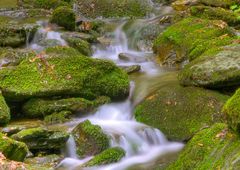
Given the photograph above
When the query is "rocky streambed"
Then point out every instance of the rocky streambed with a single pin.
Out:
(136, 84)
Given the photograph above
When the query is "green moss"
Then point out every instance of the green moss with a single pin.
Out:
(61, 76)
(193, 108)
(61, 51)
(8, 3)
(42, 139)
(45, 4)
(65, 17)
(218, 3)
(90, 139)
(114, 8)
(185, 35)
(4, 111)
(60, 117)
(82, 46)
(41, 107)
(12, 149)
(216, 13)
(232, 111)
(108, 156)
(211, 148)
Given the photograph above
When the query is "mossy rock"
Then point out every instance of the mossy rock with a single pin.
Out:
(90, 139)
(41, 139)
(193, 108)
(60, 117)
(4, 111)
(178, 40)
(232, 111)
(64, 76)
(108, 156)
(12, 149)
(65, 17)
(219, 3)
(61, 51)
(36, 108)
(114, 8)
(82, 46)
(214, 69)
(212, 148)
(218, 13)
(45, 4)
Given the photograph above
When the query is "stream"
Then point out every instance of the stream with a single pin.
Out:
(144, 146)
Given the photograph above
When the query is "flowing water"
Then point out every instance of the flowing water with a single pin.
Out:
(144, 145)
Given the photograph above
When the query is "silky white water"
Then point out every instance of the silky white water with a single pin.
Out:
(143, 145)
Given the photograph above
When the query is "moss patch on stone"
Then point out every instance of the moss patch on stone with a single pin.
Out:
(35, 108)
(12, 149)
(90, 139)
(182, 37)
(82, 46)
(179, 112)
(4, 111)
(211, 148)
(108, 156)
(64, 76)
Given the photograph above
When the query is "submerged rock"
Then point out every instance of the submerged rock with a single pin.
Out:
(90, 139)
(64, 76)
(182, 38)
(41, 107)
(179, 112)
(131, 69)
(12, 149)
(41, 139)
(215, 69)
(4, 111)
(232, 111)
(212, 148)
(108, 156)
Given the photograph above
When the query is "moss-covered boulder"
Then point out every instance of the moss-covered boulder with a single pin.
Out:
(177, 41)
(61, 51)
(64, 76)
(35, 108)
(65, 17)
(228, 16)
(12, 149)
(212, 148)
(82, 46)
(4, 111)
(58, 117)
(179, 112)
(45, 4)
(108, 156)
(232, 111)
(113, 8)
(41, 139)
(219, 3)
(214, 69)
(14, 34)
(90, 139)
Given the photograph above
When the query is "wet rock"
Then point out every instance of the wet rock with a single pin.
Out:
(79, 35)
(41, 139)
(108, 156)
(35, 108)
(210, 148)
(182, 5)
(64, 76)
(133, 57)
(49, 161)
(131, 69)
(65, 17)
(113, 8)
(18, 125)
(193, 108)
(90, 139)
(189, 35)
(232, 111)
(215, 69)
(228, 16)
(12, 149)
(4, 111)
